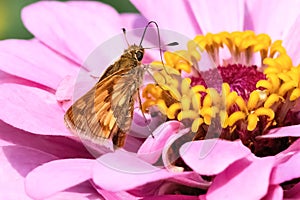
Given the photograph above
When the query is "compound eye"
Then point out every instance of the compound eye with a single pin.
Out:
(139, 55)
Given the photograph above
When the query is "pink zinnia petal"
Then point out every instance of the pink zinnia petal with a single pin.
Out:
(182, 20)
(169, 158)
(275, 192)
(125, 166)
(31, 109)
(57, 176)
(33, 61)
(116, 195)
(69, 29)
(286, 131)
(152, 148)
(293, 193)
(287, 170)
(295, 147)
(292, 42)
(132, 20)
(210, 157)
(61, 147)
(243, 179)
(217, 16)
(175, 197)
(16, 162)
(9, 78)
(271, 17)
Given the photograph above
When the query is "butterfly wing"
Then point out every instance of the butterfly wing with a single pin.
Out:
(105, 112)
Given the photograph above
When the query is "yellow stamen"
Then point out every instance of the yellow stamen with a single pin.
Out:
(252, 122)
(295, 94)
(265, 111)
(196, 124)
(173, 109)
(185, 102)
(253, 100)
(224, 118)
(236, 116)
(271, 100)
(187, 114)
(264, 84)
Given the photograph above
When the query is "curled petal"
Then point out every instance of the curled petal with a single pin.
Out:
(210, 157)
(152, 148)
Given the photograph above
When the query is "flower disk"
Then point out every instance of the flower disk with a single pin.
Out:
(242, 98)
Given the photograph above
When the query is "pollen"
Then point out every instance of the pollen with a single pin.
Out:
(239, 96)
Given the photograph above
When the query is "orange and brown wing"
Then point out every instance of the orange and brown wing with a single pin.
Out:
(105, 112)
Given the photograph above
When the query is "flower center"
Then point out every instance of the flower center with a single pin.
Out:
(241, 79)
(253, 89)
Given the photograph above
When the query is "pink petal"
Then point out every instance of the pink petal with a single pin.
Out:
(132, 20)
(287, 170)
(61, 147)
(286, 131)
(16, 162)
(65, 91)
(71, 195)
(191, 180)
(132, 143)
(125, 166)
(171, 185)
(74, 29)
(115, 195)
(83, 191)
(57, 176)
(210, 157)
(292, 41)
(31, 109)
(293, 193)
(271, 17)
(8, 78)
(33, 61)
(175, 197)
(152, 148)
(294, 147)
(243, 179)
(212, 17)
(180, 138)
(176, 16)
(275, 192)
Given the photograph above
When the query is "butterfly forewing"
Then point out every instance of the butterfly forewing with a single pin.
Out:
(106, 111)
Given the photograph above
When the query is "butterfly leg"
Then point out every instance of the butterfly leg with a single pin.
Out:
(141, 108)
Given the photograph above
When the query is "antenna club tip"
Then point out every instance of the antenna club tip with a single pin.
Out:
(173, 44)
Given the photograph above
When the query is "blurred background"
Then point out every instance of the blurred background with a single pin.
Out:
(11, 25)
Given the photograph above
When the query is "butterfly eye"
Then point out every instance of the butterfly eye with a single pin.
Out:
(139, 55)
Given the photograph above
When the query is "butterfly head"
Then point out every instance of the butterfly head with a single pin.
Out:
(136, 52)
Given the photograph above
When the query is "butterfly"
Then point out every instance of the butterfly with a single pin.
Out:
(105, 112)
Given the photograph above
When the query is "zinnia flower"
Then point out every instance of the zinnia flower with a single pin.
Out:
(232, 128)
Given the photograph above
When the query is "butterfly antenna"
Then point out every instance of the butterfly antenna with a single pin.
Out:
(124, 32)
(159, 42)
